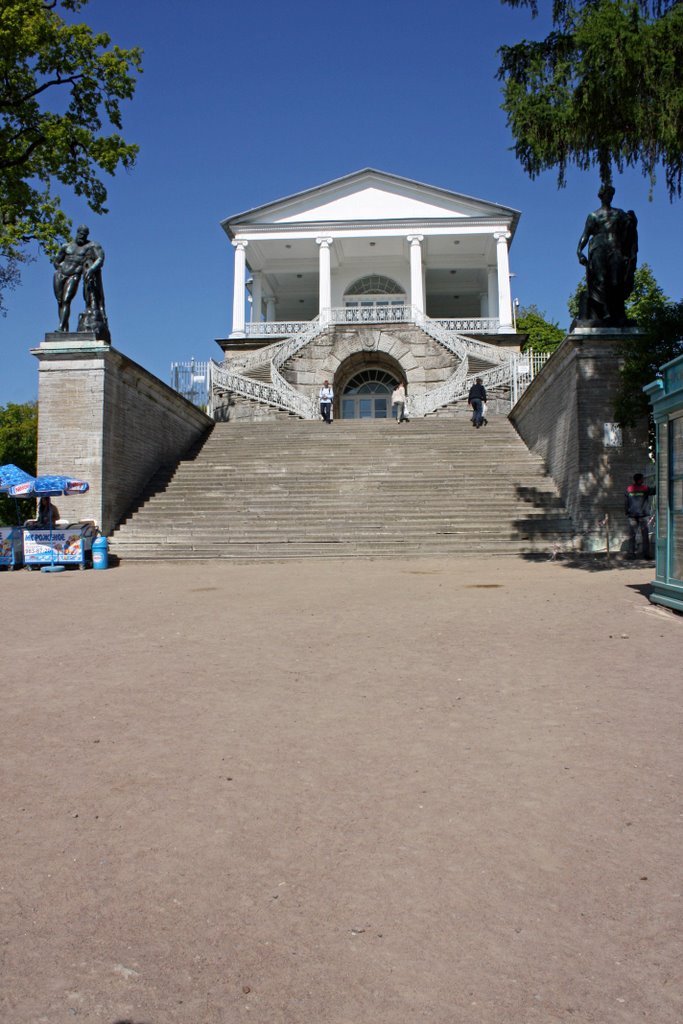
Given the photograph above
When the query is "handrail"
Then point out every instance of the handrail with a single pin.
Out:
(290, 346)
(278, 393)
(457, 387)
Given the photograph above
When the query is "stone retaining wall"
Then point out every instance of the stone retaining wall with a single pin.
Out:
(107, 420)
(563, 416)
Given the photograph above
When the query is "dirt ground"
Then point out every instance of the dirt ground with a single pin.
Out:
(341, 792)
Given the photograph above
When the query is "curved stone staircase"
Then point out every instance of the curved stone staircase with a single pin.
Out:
(293, 488)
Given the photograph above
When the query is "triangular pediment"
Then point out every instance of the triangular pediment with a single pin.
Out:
(371, 195)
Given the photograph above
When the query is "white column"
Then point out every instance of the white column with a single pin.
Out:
(492, 292)
(324, 277)
(270, 308)
(416, 286)
(483, 305)
(256, 296)
(504, 295)
(238, 290)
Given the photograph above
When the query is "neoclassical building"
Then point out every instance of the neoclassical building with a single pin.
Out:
(362, 281)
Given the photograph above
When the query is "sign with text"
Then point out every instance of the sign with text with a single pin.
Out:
(10, 544)
(61, 546)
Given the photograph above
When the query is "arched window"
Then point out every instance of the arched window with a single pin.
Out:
(374, 299)
(374, 284)
(367, 395)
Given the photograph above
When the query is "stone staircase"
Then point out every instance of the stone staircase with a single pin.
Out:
(293, 488)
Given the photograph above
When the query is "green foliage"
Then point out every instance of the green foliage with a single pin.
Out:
(604, 89)
(575, 298)
(18, 445)
(644, 300)
(61, 88)
(661, 322)
(544, 335)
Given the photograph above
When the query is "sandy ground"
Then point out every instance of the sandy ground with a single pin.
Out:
(338, 792)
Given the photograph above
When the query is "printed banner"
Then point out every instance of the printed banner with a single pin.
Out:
(9, 545)
(67, 546)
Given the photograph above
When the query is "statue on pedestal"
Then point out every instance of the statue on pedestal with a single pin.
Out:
(612, 239)
(81, 259)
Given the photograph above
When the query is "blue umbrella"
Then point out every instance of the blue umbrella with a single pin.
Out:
(10, 476)
(47, 486)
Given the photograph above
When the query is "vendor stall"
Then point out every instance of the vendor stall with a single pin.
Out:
(65, 544)
(10, 546)
(666, 398)
(49, 544)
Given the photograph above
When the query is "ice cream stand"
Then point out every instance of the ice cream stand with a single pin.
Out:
(59, 545)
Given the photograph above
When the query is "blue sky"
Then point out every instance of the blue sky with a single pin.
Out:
(243, 104)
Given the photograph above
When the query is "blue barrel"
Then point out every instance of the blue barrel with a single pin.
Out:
(100, 553)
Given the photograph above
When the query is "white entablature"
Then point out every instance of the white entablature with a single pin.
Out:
(368, 244)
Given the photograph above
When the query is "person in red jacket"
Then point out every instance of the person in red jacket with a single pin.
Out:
(637, 509)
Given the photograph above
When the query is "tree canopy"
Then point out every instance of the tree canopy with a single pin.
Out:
(61, 89)
(18, 445)
(544, 335)
(660, 320)
(604, 89)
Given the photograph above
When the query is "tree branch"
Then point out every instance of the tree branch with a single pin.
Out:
(25, 156)
(41, 88)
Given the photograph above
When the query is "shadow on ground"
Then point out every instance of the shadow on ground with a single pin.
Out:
(598, 562)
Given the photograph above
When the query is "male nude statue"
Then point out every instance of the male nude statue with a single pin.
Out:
(75, 260)
(612, 238)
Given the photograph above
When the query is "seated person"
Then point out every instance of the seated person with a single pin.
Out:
(47, 514)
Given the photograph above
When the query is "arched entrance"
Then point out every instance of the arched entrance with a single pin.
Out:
(363, 386)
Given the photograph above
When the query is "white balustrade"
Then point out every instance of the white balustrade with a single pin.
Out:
(281, 394)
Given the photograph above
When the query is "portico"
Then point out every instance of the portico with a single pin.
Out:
(371, 247)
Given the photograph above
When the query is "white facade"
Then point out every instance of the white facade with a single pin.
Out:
(371, 247)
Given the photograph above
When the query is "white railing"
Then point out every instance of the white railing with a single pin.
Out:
(462, 345)
(371, 314)
(526, 366)
(278, 393)
(450, 391)
(477, 324)
(280, 328)
(375, 314)
(280, 351)
(457, 388)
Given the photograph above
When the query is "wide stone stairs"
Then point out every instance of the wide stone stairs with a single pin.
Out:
(293, 488)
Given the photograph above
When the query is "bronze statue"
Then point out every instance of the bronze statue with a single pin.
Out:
(81, 259)
(612, 238)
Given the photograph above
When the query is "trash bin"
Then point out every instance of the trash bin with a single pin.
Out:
(100, 553)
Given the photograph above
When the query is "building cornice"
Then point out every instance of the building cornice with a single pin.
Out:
(452, 225)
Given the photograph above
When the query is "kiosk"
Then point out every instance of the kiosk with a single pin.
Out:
(666, 399)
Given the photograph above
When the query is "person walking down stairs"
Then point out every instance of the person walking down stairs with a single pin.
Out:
(326, 396)
(476, 399)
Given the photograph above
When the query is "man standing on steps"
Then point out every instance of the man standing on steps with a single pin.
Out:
(476, 399)
(326, 396)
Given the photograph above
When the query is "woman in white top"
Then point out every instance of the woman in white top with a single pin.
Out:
(398, 398)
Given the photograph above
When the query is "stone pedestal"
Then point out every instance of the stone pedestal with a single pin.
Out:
(566, 416)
